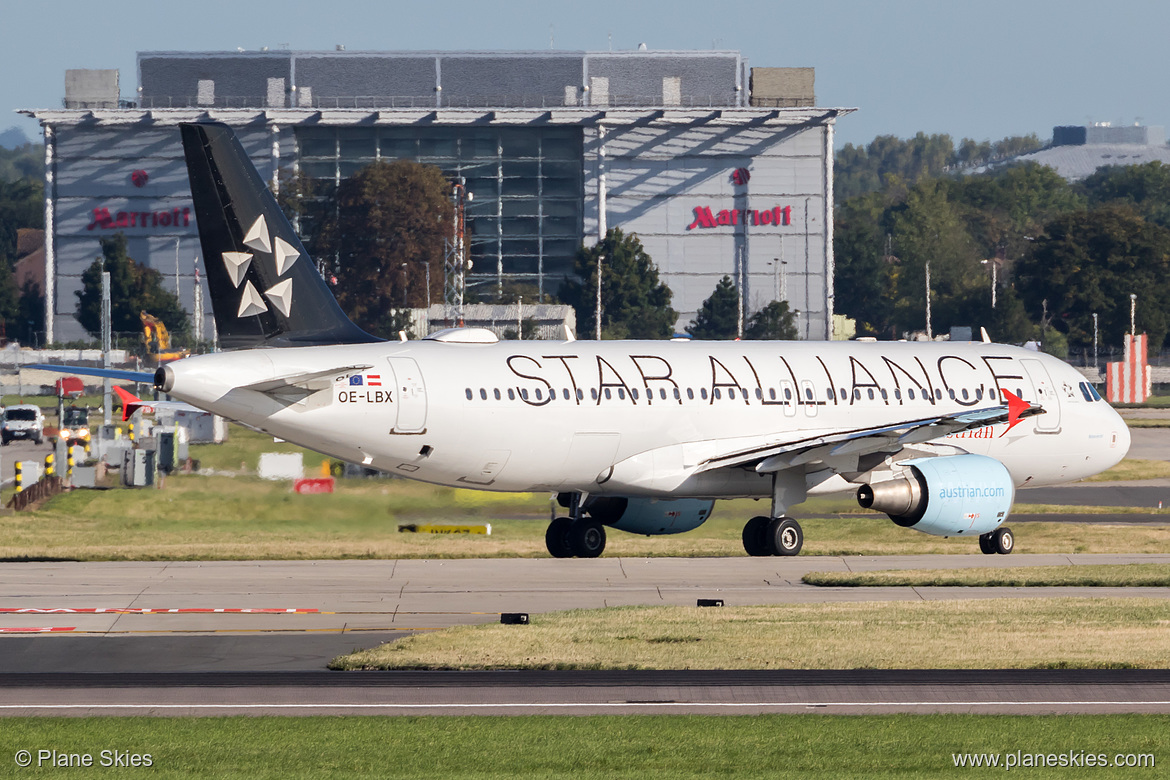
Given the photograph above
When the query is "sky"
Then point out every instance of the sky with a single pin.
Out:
(982, 70)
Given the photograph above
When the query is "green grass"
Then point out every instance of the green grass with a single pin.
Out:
(764, 746)
(944, 634)
(244, 518)
(1129, 575)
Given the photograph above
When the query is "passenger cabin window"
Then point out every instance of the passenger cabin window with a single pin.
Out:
(469, 394)
(703, 393)
(677, 397)
(482, 394)
(690, 394)
(511, 394)
(965, 394)
(496, 393)
(910, 392)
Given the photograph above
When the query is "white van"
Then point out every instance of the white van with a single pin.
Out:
(23, 421)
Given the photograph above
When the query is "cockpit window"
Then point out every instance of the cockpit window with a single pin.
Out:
(1096, 395)
(1085, 391)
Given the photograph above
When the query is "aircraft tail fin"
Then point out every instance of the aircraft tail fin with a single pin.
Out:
(265, 289)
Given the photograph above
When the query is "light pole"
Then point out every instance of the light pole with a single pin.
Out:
(780, 279)
(597, 313)
(929, 335)
(994, 263)
(1133, 314)
(1096, 365)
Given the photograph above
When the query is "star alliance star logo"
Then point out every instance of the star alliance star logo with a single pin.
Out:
(283, 254)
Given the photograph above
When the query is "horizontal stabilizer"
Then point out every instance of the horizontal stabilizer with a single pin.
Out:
(144, 377)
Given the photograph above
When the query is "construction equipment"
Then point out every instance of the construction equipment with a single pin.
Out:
(158, 340)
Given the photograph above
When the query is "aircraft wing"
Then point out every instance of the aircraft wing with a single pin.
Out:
(146, 377)
(888, 439)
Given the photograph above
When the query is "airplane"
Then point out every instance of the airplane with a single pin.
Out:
(636, 436)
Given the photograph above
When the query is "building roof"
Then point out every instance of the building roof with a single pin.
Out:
(1077, 162)
(580, 116)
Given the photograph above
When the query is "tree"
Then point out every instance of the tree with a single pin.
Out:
(386, 228)
(774, 322)
(1146, 188)
(718, 317)
(926, 228)
(1091, 261)
(862, 281)
(133, 289)
(634, 304)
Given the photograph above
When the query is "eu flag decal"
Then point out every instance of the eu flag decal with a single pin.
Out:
(356, 379)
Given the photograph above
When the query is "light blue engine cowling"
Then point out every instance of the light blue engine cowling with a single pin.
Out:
(957, 495)
(650, 516)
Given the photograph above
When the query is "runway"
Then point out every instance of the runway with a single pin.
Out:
(1012, 692)
(298, 615)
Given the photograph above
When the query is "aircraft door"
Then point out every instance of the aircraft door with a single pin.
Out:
(810, 397)
(788, 393)
(411, 395)
(1046, 396)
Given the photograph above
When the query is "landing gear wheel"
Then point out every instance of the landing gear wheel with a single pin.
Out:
(785, 536)
(587, 538)
(556, 538)
(755, 536)
(987, 544)
(1004, 541)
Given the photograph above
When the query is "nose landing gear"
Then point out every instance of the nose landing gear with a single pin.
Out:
(1001, 541)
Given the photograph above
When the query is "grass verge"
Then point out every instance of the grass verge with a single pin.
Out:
(1135, 468)
(1128, 575)
(772, 746)
(966, 634)
(245, 518)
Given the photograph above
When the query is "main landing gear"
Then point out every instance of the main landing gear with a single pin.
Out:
(569, 538)
(772, 536)
(575, 536)
(998, 542)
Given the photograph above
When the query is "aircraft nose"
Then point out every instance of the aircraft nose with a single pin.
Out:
(1121, 436)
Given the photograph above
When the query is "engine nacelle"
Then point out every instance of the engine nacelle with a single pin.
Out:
(650, 516)
(957, 495)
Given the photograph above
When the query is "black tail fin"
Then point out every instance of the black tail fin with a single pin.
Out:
(265, 289)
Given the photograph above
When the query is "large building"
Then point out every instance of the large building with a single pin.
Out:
(720, 169)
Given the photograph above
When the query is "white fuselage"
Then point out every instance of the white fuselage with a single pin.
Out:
(643, 417)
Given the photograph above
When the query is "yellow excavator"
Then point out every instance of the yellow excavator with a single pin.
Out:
(158, 340)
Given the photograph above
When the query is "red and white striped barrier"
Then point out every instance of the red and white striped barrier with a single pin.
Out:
(37, 630)
(147, 611)
(1129, 381)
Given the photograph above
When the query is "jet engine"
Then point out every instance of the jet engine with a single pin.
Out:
(650, 516)
(957, 495)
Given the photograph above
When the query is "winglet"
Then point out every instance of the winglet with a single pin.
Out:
(983, 334)
(1016, 408)
(130, 402)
